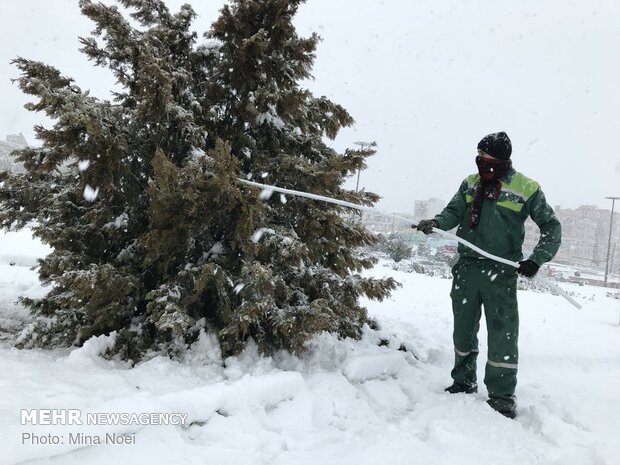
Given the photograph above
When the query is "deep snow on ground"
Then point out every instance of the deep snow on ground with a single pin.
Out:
(343, 402)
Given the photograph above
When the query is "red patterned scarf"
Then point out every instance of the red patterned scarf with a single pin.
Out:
(491, 172)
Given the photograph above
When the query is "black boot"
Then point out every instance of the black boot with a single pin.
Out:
(507, 411)
(457, 388)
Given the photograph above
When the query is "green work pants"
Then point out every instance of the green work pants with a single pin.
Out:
(483, 283)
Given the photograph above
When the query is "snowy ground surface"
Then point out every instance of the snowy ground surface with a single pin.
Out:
(344, 402)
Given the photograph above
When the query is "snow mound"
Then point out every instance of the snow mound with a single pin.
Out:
(366, 367)
(92, 350)
(379, 399)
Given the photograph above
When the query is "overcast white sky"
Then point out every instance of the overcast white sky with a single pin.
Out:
(424, 79)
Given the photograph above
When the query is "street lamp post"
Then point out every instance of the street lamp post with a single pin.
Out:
(362, 146)
(611, 225)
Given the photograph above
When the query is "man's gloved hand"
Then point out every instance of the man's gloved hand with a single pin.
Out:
(528, 268)
(426, 226)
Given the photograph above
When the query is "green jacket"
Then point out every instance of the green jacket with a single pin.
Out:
(501, 229)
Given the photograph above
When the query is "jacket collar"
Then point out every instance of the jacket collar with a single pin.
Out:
(509, 175)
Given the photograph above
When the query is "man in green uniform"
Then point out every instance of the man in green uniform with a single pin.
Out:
(490, 209)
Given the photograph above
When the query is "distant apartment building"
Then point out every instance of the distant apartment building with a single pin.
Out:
(383, 224)
(585, 235)
(422, 209)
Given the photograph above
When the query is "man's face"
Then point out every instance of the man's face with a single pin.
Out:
(484, 155)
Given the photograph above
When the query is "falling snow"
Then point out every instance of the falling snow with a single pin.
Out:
(259, 233)
(265, 194)
(90, 194)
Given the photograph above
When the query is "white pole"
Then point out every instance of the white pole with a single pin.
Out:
(611, 228)
(344, 203)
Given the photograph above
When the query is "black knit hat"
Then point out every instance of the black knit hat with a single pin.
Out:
(497, 145)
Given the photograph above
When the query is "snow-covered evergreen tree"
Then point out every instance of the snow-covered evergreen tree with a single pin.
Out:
(153, 235)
